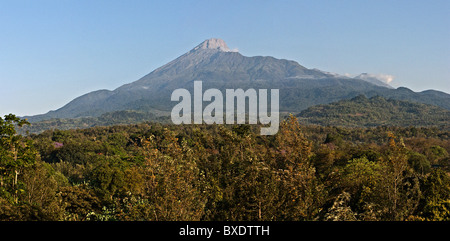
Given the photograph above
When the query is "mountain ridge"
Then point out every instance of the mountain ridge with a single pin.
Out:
(219, 67)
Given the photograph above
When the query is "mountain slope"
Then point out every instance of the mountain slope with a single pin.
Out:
(219, 67)
(364, 112)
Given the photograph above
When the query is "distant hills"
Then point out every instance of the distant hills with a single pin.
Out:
(369, 112)
(219, 67)
(122, 117)
(359, 111)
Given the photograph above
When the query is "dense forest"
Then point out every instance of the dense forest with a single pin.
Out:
(375, 111)
(155, 171)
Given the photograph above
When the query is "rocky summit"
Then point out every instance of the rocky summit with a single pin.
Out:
(214, 43)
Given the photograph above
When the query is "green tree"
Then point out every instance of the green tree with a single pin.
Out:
(419, 163)
(359, 180)
(107, 178)
(41, 185)
(27, 185)
(16, 154)
(398, 193)
(435, 204)
(436, 154)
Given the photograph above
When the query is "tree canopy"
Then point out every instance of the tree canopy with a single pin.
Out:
(154, 171)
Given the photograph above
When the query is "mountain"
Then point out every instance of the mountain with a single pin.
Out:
(368, 112)
(219, 67)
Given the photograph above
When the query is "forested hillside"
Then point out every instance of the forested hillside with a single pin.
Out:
(369, 112)
(154, 171)
(123, 117)
(357, 112)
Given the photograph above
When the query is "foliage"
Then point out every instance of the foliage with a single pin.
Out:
(364, 112)
(27, 185)
(154, 171)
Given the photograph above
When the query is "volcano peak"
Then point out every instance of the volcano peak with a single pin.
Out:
(214, 44)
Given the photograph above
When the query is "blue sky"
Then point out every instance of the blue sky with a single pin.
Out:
(54, 51)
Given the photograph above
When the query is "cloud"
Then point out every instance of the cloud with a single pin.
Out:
(386, 78)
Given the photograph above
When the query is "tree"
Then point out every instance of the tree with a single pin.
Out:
(435, 204)
(245, 184)
(79, 201)
(107, 178)
(300, 192)
(398, 193)
(340, 211)
(436, 154)
(27, 186)
(40, 191)
(16, 154)
(172, 179)
(419, 163)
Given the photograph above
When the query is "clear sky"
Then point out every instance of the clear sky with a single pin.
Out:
(52, 51)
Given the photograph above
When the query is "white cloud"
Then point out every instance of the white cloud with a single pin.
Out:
(386, 78)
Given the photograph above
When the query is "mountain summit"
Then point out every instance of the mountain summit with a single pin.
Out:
(219, 67)
(215, 44)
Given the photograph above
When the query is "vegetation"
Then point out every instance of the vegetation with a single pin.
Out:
(357, 112)
(122, 117)
(364, 112)
(155, 171)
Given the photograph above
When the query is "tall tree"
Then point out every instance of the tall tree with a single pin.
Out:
(16, 154)
(399, 191)
(172, 179)
(300, 192)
